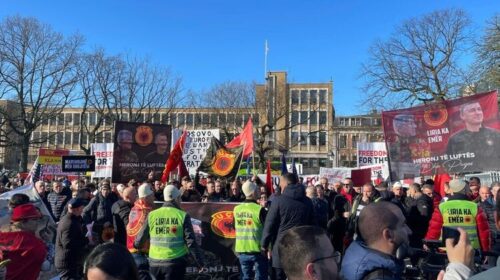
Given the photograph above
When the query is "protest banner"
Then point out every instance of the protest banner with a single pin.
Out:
(311, 179)
(379, 172)
(196, 146)
(371, 153)
(334, 174)
(103, 153)
(453, 136)
(215, 233)
(51, 162)
(78, 163)
(139, 148)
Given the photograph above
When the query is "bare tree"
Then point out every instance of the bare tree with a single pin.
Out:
(145, 90)
(488, 56)
(419, 62)
(99, 79)
(37, 74)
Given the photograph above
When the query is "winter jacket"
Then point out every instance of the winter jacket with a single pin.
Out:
(320, 211)
(483, 230)
(120, 211)
(57, 203)
(290, 209)
(70, 242)
(419, 214)
(99, 209)
(488, 207)
(491, 273)
(359, 261)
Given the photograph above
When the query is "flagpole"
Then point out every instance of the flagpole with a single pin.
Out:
(253, 164)
(266, 49)
(241, 159)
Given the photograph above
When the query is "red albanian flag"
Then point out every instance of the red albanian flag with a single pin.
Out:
(175, 157)
(245, 138)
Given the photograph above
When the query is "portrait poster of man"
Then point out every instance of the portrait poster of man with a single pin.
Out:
(453, 136)
(139, 148)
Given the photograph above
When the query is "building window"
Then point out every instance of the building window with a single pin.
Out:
(354, 140)
(303, 138)
(222, 120)
(303, 117)
(313, 138)
(92, 118)
(45, 119)
(295, 97)
(295, 138)
(189, 119)
(44, 137)
(156, 118)
(205, 119)
(343, 141)
(358, 122)
(60, 138)
(197, 119)
(322, 117)
(322, 138)
(67, 138)
(313, 117)
(68, 118)
(322, 162)
(180, 119)
(295, 118)
(314, 162)
(173, 119)
(305, 162)
(52, 120)
(314, 96)
(230, 119)
(213, 120)
(303, 97)
(76, 138)
(238, 119)
(164, 118)
(60, 119)
(99, 137)
(322, 96)
(343, 122)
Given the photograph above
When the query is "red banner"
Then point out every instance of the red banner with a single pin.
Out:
(456, 136)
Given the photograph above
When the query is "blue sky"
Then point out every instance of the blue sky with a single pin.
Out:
(209, 42)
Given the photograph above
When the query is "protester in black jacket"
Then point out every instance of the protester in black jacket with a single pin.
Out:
(121, 211)
(290, 209)
(419, 212)
(71, 242)
(99, 211)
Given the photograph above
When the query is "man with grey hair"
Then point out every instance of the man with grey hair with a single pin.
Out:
(475, 138)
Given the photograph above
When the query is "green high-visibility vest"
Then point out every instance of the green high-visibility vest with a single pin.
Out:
(248, 227)
(461, 213)
(166, 229)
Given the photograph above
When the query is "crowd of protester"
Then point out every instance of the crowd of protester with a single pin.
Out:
(365, 226)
